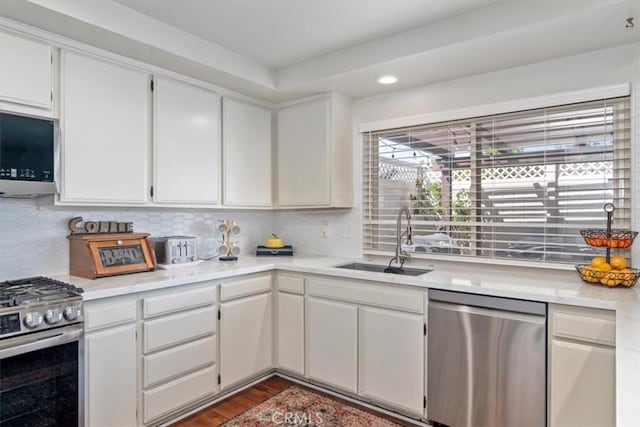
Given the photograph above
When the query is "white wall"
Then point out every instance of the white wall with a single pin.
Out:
(33, 232)
(599, 68)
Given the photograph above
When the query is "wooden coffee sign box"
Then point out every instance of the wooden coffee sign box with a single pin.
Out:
(101, 255)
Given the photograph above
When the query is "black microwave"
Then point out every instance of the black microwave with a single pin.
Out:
(27, 151)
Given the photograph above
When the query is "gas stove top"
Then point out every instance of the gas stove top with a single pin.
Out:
(35, 290)
(37, 303)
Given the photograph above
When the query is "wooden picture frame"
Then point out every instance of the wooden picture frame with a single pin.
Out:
(102, 255)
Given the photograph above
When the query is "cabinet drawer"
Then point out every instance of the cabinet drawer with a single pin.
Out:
(178, 328)
(109, 312)
(177, 301)
(169, 397)
(365, 293)
(244, 287)
(177, 361)
(291, 284)
(596, 326)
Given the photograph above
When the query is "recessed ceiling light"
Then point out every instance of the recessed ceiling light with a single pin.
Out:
(387, 79)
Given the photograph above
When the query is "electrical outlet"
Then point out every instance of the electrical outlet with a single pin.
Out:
(324, 230)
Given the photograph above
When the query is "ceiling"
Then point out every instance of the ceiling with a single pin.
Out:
(279, 33)
(278, 50)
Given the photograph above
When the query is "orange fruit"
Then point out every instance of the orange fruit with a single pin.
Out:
(618, 262)
(597, 261)
(610, 279)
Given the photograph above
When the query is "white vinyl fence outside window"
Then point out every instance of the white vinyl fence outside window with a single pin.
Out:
(517, 186)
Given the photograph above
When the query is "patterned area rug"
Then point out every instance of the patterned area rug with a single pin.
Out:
(300, 407)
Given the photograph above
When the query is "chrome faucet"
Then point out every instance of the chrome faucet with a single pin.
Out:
(401, 254)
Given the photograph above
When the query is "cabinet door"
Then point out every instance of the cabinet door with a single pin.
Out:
(303, 154)
(246, 147)
(582, 385)
(332, 343)
(25, 71)
(391, 358)
(110, 385)
(245, 338)
(186, 143)
(105, 131)
(291, 332)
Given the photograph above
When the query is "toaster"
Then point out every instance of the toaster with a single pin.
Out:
(175, 249)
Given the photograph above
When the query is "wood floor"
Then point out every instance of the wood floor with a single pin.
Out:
(237, 404)
(250, 397)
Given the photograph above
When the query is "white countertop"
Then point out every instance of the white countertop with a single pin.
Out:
(562, 287)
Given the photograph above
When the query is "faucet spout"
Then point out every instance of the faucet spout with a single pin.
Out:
(401, 254)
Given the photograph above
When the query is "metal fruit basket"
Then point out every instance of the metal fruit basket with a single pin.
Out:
(626, 277)
(621, 239)
(609, 239)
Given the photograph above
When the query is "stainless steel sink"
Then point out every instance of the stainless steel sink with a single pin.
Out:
(380, 268)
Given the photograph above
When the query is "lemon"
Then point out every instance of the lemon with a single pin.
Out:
(590, 275)
(605, 267)
(596, 262)
(618, 262)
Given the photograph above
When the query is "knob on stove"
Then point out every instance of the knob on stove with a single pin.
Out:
(53, 316)
(71, 313)
(32, 320)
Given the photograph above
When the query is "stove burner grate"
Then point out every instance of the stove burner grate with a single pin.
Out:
(34, 289)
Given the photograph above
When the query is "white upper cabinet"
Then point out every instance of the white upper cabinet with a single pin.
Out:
(25, 74)
(105, 132)
(246, 148)
(314, 160)
(186, 144)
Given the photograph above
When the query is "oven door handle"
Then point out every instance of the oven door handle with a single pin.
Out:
(38, 341)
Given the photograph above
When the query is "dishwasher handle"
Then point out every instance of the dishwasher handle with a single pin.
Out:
(491, 313)
(493, 303)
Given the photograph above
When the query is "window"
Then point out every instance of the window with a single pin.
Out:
(507, 186)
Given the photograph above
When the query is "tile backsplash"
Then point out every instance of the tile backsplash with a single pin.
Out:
(33, 232)
(303, 230)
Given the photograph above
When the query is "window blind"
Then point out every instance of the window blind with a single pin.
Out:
(517, 185)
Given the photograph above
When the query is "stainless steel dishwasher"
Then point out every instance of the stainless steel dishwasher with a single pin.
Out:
(486, 361)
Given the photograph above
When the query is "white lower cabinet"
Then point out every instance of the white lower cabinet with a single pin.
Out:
(177, 361)
(178, 328)
(363, 338)
(290, 335)
(332, 343)
(245, 338)
(581, 367)
(179, 350)
(391, 358)
(172, 396)
(367, 338)
(111, 356)
(110, 363)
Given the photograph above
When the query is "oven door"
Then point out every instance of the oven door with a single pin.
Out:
(39, 381)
